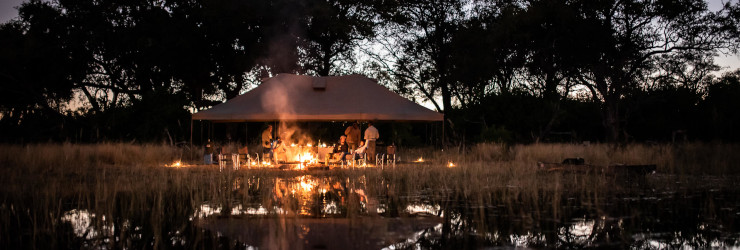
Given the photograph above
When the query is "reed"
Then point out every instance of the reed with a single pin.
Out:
(129, 185)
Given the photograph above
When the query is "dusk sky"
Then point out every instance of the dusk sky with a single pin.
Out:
(731, 62)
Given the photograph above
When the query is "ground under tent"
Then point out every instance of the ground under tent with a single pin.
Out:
(301, 99)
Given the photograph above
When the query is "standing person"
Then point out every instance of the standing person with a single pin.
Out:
(353, 136)
(208, 153)
(267, 141)
(371, 134)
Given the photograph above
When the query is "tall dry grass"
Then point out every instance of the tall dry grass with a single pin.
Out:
(690, 158)
(73, 155)
(41, 182)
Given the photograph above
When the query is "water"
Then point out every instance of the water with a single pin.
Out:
(373, 210)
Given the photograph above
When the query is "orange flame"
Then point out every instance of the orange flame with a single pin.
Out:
(176, 164)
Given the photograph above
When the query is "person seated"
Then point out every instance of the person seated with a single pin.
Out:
(267, 143)
(243, 154)
(278, 150)
(360, 151)
(340, 149)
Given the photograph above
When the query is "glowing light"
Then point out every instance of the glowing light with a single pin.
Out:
(254, 163)
(308, 145)
(420, 159)
(292, 144)
(176, 164)
(305, 157)
(266, 163)
(450, 165)
(323, 145)
(307, 186)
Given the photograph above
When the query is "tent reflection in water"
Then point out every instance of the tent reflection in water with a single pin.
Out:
(301, 98)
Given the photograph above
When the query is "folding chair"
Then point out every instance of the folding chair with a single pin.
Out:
(361, 159)
(391, 155)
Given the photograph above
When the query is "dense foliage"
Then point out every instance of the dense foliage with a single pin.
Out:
(500, 70)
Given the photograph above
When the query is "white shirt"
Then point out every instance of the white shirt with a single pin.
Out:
(361, 150)
(371, 133)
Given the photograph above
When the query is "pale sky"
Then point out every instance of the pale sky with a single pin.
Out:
(729, 62)
(7, 9)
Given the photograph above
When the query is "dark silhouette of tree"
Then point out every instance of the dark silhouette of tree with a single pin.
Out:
(556, 40)
(516, 70)
(422, 33)
(639, 33)
(38, 71)
(720, 108)
(334, 29)
(488, 54)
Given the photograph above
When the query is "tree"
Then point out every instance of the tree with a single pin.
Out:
(38, 71)
(720, 107)
(487, 53)
(130, 48)
(418, 39)
(333, 30)
(638, 33)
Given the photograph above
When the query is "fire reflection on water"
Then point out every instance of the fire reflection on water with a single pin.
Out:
(304, 195)
(315, 204)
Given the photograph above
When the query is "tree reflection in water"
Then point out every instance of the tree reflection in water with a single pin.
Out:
(372, 209)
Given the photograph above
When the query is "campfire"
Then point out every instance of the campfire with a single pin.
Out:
(176, 164)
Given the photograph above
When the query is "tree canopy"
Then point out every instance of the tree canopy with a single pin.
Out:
(507, 70)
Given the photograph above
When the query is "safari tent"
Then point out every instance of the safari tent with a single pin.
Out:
(289, 97)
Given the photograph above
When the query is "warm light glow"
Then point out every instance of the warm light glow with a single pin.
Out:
(292, 145)
(306, 186)
(176, 164)
(305, 158)
(451, 165)
(254, 163)
(266, 163)
(420, 159)
(308, 145)
(323, 145)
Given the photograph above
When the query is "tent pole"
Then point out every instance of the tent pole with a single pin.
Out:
(443, 134)
(191, 132)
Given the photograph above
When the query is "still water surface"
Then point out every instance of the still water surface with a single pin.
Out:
(364, 210)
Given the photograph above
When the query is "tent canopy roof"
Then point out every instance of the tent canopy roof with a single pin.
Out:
(288, 97)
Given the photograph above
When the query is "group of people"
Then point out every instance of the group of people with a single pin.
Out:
(350, 143)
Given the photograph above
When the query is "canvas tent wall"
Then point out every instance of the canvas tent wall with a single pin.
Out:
(288, 97)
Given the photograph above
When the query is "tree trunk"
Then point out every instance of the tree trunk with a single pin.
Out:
(447, 106)
(611, 119)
